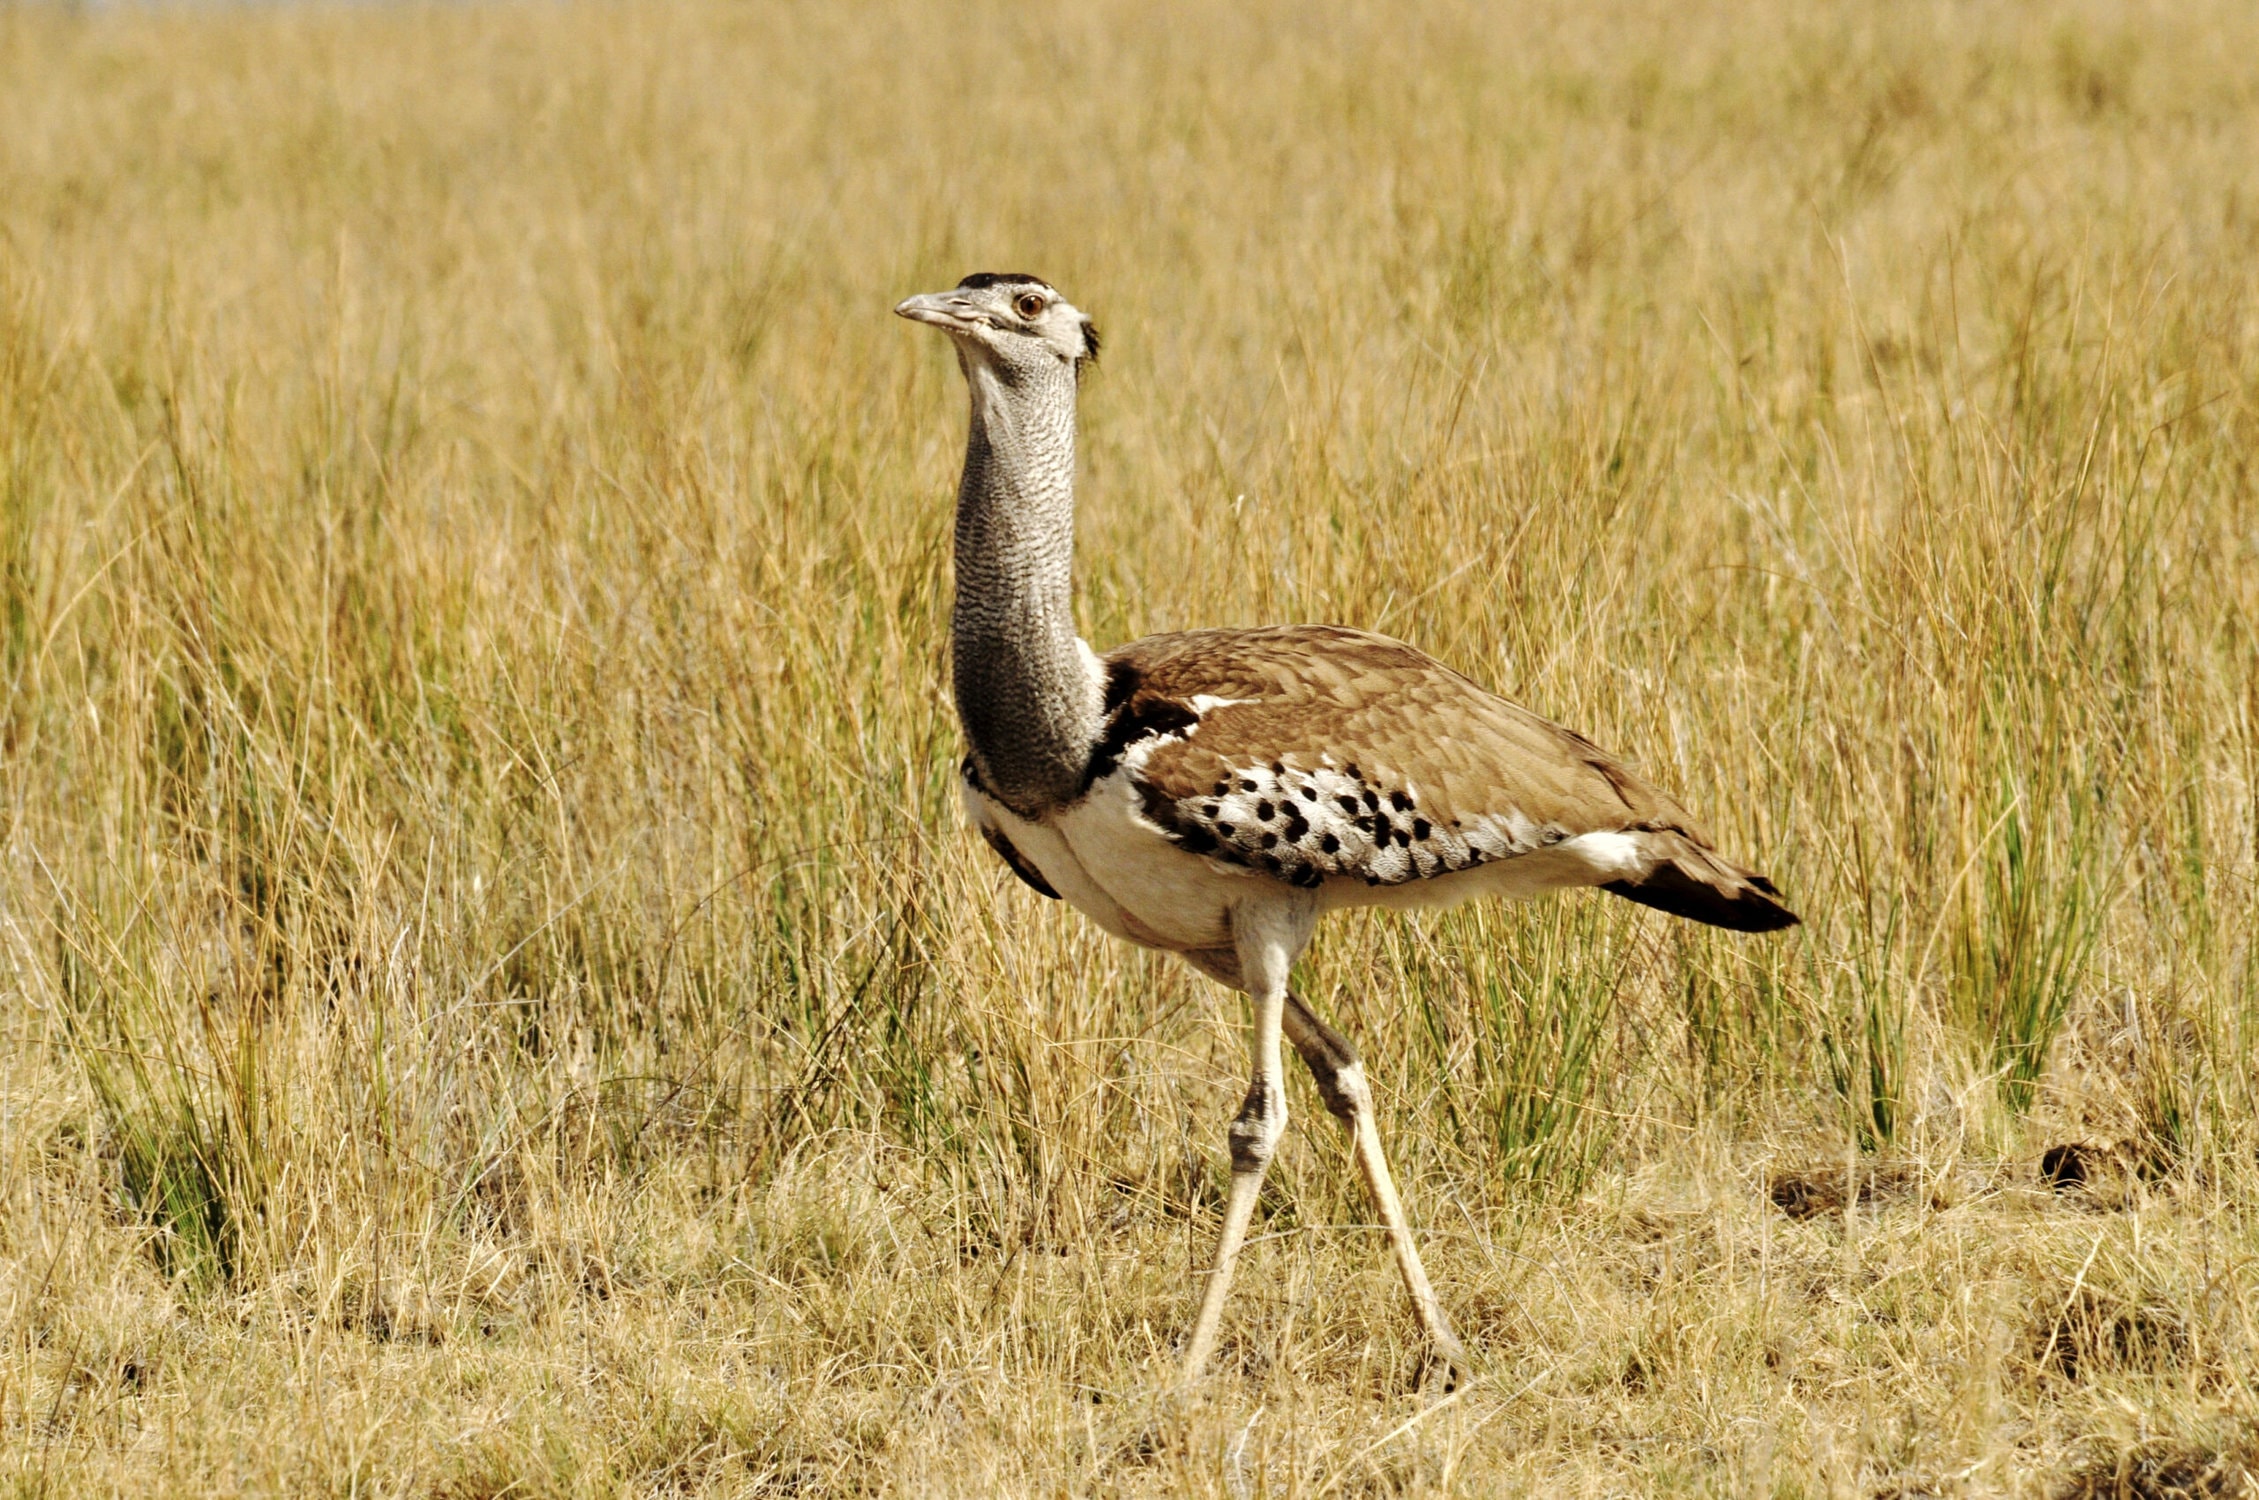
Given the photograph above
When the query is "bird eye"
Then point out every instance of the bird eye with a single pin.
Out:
(1027, 304)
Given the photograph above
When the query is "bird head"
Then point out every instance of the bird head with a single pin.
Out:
(1015, 322)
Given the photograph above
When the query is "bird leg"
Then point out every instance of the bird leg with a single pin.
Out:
(1254, 1136)
(1340, 1076)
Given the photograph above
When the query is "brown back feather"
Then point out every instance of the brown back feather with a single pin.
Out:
(1404, 719)
(1418, 771)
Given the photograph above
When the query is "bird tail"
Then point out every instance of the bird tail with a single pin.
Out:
(1689, 880)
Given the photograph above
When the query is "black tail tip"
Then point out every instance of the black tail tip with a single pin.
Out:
(1752, 908)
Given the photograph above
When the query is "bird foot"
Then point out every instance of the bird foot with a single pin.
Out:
(1441, 1368)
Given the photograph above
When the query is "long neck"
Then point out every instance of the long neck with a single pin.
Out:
(1025, 691)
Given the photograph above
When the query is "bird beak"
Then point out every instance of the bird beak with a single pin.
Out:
(941, 309)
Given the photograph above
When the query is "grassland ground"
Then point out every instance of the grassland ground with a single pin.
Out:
(496, 998)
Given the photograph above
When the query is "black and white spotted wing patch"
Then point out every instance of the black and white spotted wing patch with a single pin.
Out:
(1306, 824)
(1313, 752)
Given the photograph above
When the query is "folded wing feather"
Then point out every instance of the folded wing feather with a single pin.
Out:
(1314, 752)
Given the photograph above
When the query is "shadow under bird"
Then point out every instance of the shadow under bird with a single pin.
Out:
(1212, 793)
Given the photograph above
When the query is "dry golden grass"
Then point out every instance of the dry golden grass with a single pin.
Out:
(497, 1000)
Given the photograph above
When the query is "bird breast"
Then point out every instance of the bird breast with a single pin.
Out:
(1115, 868)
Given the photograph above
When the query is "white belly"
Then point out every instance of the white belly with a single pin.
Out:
(1109, 863)
(1118, 870)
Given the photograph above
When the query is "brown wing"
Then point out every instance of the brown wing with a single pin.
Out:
(1311, 751)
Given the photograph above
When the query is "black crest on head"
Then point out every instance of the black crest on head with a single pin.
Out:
(981, 279)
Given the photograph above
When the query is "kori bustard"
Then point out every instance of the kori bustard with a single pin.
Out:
(1213, 793)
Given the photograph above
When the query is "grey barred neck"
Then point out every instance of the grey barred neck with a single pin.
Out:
(1026, 695)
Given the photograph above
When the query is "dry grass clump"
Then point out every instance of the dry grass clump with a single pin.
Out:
(2165, 1471)
(494, 996)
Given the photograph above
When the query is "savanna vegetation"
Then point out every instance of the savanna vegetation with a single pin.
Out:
(496, 999)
